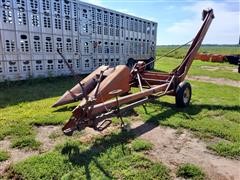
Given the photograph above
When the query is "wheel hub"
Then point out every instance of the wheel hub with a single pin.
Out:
(186, 95)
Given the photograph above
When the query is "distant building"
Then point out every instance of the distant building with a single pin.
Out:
(89, 36)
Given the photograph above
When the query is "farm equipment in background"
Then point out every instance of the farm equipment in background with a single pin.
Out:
(106, 92)
(232, 59)
(210, 57)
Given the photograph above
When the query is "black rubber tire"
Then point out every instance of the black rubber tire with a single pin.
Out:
(151, 65)
(239, 66)
(183, 94)
(130, 63)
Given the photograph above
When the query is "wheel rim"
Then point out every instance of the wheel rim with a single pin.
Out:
(186, 95)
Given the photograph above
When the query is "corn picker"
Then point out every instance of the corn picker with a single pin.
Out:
(106, 91)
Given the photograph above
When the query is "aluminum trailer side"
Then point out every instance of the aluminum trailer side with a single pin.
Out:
(89, 36)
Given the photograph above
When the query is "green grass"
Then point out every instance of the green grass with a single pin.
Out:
(180, 53)
(25, 142)
(28, 103)
(4, 155)
(106, 158)
(190, 171)
(226, 149)
(141, 145)
(200, 68)
(214, 110)
(15, 93)
(224, 49)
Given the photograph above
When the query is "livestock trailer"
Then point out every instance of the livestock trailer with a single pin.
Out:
(88, 36)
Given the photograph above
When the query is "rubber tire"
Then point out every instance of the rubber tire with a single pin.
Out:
(151, 65)
(179, 98)
(130, 63)
(239, 66)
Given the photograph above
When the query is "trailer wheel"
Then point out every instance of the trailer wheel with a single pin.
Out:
(183, 94)
(130, 63)
(151, 65)
(239, 66)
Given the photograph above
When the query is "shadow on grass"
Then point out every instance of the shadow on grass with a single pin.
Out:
(12, 93)
(171, 110)
(84, 158)
(192, 109)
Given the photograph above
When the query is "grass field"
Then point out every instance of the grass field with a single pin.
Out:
(189, 171)
(27, 104)
(180, 53)
(213, 116)
(214, 112)
(200, 68)
(3, 155)
(105, 158)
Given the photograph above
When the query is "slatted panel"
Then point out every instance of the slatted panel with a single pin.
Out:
(31, 31)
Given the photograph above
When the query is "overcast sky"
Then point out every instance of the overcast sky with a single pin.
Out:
(179, 20)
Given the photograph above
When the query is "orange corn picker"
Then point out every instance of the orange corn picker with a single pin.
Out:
(106, 92)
